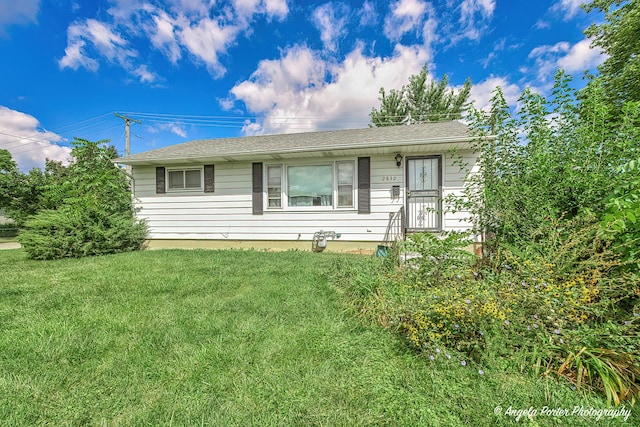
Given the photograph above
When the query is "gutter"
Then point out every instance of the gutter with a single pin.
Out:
(378, 144)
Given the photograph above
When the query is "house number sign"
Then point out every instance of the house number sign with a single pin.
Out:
(389, 178)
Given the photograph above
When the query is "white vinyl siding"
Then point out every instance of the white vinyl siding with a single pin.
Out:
(454, 185)
(227, 213)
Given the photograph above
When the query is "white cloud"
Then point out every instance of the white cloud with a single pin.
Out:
(474, 16)
(570, 8)
(246, 7)
(499, 46)
(405, 16)
(163, 36)
(368, 14)
(206, 39)
(104, 40)
(109, 43)
(94, 38)
(541, 24)
(178, 130)
(293, 95)
(412, 16)
(271, 8)
(276, 8)
(28, 143)
(581, 56)
(481, 93)
(173, 127)
(278, 81)
(198, 8)
(252, 128)
(144, 74)
(123, 10)
(203, 29)
(572, 58)
(18, 12)
(75, 58)
(546, 59)
(331, 20)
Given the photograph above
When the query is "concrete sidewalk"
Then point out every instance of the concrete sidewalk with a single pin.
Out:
(9, 245)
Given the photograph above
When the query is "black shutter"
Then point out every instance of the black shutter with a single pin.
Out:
(160, 177)
(209, 180)
(257, 189)
(364, 185)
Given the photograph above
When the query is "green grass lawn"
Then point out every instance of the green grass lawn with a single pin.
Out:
(227, 338)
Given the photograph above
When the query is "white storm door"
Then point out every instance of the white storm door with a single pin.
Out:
(424, 198)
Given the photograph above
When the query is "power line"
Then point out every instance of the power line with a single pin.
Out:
(58, 129)
(214, 121)
(246, 117)
(49, 140)
(23, 137)
(293, 122)
(38, 147)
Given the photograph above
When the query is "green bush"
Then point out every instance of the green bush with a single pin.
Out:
(86, 208)
(74, 233)
(621, 221)
(436, 258)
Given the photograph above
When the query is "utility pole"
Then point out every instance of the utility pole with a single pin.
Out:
(127, 133)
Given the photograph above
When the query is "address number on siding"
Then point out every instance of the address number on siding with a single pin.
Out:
(389, 178)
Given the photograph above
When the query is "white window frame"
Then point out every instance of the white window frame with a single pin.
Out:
(336, 185)
(282, 192)
(184, 188)
(284, 198)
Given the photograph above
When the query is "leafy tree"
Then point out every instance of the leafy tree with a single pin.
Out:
(618, 38)
(90, 179)
(621, 221)
(421, 101)
(23, 195)
(556, 159)
(19, 193)
(26, 195)
(8, 169)
(7, 164)
(87, 208)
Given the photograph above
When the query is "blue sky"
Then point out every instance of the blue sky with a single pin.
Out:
(191, 69)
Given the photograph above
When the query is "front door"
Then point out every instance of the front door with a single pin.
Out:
(424, 184)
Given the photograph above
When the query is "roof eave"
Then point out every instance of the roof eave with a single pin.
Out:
(245, 155)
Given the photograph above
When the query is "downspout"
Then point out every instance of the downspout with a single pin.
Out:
(133, 181)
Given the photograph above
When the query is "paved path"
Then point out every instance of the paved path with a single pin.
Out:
(9, 245)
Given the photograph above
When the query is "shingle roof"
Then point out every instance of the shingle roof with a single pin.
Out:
(428, 133)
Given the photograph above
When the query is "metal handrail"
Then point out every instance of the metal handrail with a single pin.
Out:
(395, 227)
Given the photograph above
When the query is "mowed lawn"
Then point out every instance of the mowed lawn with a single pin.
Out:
(225, 338)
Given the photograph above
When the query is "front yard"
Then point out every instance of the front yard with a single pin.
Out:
(228, 338)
